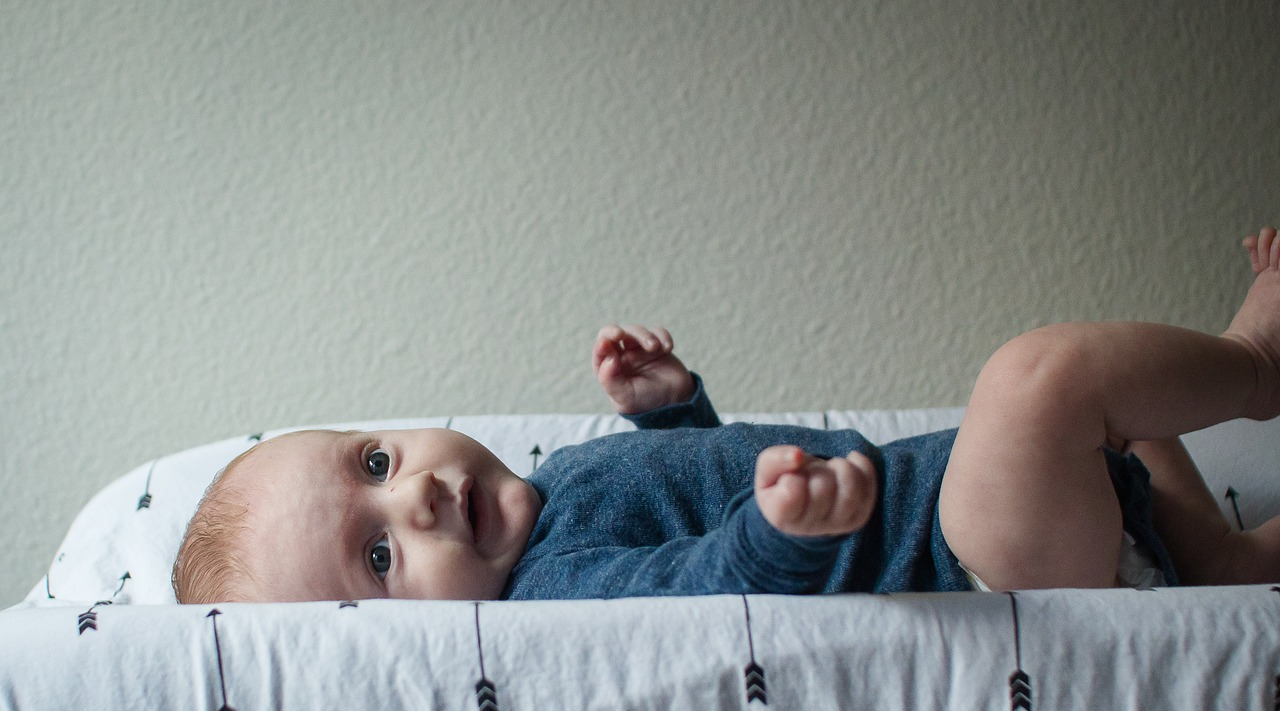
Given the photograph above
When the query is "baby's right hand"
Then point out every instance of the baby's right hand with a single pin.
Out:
(803, 495)
(638, 370)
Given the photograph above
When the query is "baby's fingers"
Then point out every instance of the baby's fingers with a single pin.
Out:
(656, 340)
(855, 496)
(776, 461)
(614, 340)
(608, 343)
(783, 486)
(786, 501)
(807, 496)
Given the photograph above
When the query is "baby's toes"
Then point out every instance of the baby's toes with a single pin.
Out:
(1269, 248)
(1264, 250)
(1251, 247)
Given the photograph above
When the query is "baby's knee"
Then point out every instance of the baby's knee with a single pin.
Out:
(1050, 365)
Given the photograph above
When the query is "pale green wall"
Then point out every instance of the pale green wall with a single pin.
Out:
(221, 217)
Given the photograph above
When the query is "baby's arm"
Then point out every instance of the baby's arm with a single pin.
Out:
(803, 495)
(638, 370)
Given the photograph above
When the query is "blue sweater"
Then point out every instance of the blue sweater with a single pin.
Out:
(670, 510)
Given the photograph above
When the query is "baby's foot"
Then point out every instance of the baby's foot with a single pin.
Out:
(1257, 323)
(1251, 557)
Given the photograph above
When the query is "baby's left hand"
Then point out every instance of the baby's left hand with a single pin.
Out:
(804, 495)
(637, 369)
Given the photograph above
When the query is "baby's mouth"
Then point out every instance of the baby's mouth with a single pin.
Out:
(467, 493)
(471, 514)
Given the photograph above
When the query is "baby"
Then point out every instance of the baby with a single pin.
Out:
(1065, 469)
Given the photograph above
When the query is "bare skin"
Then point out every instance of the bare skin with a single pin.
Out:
(1206, 550)
(1026, 501)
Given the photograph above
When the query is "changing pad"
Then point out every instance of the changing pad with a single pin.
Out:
(99, 631)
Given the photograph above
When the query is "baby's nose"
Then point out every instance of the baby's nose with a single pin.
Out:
(419, 500)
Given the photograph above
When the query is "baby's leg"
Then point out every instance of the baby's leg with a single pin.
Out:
(1026, 501)
(1205, 548)
(1185, 514)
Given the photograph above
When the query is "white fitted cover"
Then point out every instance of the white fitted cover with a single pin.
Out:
(100, 630)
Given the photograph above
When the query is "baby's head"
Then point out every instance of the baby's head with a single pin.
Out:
(320, 515)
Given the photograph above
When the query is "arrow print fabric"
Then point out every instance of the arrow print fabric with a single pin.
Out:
(1020, 690)
(1276, 706)
(217, 648)
(755, 684)
(486, 696)
(1233, 495)
(88, 620)
(753, 673)
(1019, 680)
(144, 501)
(48, 588)
(486, 692)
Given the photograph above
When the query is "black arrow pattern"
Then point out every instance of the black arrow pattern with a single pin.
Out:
(486, 696)
(88, 620)
(1276, 589)
(48, 589)
(217, 646)
(1019, 690)
(755, 684)
(753, 673)
(486, 692)
(1233, 494)
(144, 501)
(1019, 680)
(536, 452)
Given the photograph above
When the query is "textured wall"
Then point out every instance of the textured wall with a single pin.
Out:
(222, 217)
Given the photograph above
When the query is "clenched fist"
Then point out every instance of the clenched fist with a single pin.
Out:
(804, 495)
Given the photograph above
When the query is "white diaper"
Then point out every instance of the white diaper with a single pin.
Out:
(1136, 569)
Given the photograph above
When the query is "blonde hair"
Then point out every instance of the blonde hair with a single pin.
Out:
(209, 567)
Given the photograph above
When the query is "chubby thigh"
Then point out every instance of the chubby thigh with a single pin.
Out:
(1024, 507)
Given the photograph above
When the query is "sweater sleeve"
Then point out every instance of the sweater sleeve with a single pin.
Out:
(696, 412)
(745, 555)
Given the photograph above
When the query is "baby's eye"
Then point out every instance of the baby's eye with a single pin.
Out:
(378, 464)
(380, 557)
